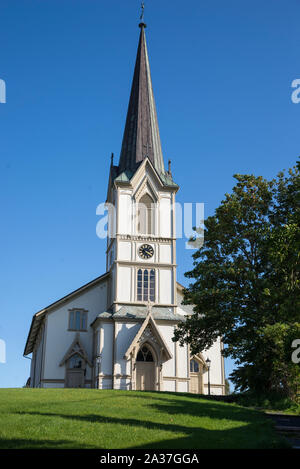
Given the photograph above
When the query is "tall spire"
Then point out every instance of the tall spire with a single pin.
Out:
(141, 136)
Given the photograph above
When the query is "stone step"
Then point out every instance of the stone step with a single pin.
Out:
(285, 428)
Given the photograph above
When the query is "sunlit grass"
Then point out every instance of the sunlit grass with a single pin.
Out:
(83, 418)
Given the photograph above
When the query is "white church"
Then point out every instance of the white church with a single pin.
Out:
(116, 331)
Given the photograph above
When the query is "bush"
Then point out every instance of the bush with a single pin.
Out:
(273, 401)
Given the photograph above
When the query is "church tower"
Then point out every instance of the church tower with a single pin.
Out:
(141, 248)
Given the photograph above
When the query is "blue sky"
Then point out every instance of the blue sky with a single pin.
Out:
(222, 74)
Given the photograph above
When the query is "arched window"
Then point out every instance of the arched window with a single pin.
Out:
(144, 355)
(145, 215)
(146, 285)
(151, 294)
(194, 366)
(75, 361)
(140, 285)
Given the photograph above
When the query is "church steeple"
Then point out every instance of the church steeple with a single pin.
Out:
(141, 136)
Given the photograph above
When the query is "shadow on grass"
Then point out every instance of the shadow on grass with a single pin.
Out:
(197, 406)
(22, 443)
(250, 430)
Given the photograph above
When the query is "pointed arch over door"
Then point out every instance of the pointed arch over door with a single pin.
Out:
(147, 353)
(144, 354)
(75, 361)
(145, 369)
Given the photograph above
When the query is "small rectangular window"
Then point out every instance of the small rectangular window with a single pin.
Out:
(78, 320)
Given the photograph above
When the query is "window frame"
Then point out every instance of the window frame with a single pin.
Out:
(146, 353)
(145, 284)
(194, 361)
(145, 215)
(76, 368)
(78, 317)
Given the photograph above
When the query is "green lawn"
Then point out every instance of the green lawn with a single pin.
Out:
(88, 418)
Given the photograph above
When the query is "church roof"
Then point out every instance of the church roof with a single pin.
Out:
(141, 137)
(140, 312)
(125, 176)
(38, 318)
(132, 312)
(142, 334)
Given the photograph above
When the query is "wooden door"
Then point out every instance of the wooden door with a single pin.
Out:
(75, 379)
(195, 383)
(145, 376)
(196, 372)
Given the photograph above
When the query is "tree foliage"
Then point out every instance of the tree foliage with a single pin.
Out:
(246, 282)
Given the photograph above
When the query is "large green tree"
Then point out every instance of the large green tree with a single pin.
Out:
(246, 283)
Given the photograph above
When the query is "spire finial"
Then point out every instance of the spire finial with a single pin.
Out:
(143, 11)
(142, 23)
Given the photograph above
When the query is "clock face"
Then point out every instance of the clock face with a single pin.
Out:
(146, 251)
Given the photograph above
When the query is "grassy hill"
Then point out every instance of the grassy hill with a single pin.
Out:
(88, 418)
